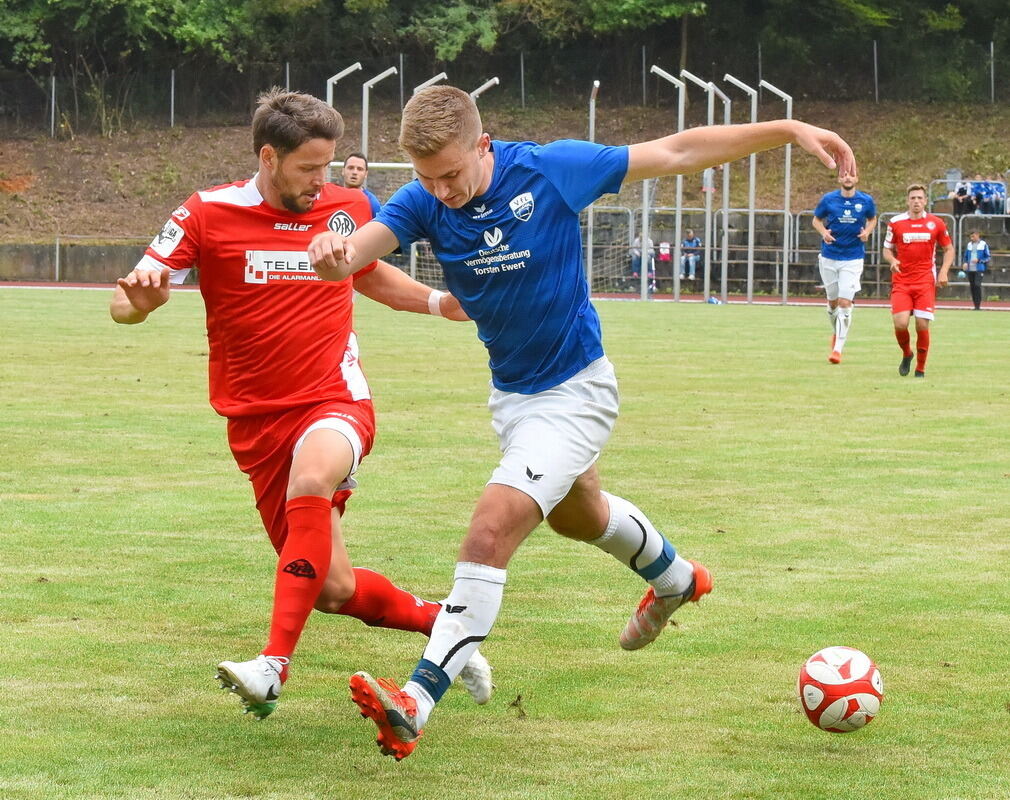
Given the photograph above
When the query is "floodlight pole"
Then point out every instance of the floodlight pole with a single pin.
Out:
(589, 211)
(681, 88)
(788, 99)
(753, 94)
(366, 88)
(332, 80)
(483, 88)
(708, 190)
(727, 119)
(432, 80)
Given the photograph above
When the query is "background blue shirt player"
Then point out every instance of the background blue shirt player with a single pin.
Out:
(845, 219)
(503, 221)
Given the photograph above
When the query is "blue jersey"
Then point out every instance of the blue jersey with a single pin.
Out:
(373, 201)
(513, 256)
(845, 217)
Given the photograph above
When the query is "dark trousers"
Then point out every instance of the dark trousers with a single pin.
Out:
(975, 282)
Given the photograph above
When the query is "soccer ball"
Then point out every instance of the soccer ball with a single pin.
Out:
(961, 274)
(840, 689)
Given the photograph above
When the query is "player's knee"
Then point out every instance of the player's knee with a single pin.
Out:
(310, 484)
(336, 592)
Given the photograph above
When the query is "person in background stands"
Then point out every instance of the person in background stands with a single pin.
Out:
(355, 173)
(975, 263)
(690, 255)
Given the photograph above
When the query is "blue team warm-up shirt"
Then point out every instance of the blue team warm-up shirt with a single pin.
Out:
(845, 217)
(513, 256)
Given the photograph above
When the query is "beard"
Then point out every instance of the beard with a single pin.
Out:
(297, 203)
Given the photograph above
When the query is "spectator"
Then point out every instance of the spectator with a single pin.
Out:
(636, 261)
(975, 263)
(690, 255)
(980, 192)
(964, 200)
(355, 173)
(997, 195)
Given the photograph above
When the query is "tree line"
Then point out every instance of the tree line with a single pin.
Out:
(928, 49)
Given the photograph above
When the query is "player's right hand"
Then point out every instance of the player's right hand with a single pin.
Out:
(146, 289)
(895, 266)
(330, 255)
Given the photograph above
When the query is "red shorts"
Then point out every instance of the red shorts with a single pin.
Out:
(263, 446)
(919, 298)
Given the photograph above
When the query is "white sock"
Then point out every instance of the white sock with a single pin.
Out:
(635, 542)
(832, 316)
(842, 322)
(466, 618)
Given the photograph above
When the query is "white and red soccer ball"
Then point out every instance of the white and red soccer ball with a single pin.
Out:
(840, 689)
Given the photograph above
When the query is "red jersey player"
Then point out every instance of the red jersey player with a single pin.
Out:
(284, 370)
(909, 248)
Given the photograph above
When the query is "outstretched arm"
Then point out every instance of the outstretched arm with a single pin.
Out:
(698, 148)
(334, 257)
(138, 294)
(395, 288)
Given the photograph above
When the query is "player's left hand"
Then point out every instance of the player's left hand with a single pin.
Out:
(829, 147)
(941, 279)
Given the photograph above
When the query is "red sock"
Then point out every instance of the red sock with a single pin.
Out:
(303, 564)
(904, 338)
(921, 349)
(377, 602)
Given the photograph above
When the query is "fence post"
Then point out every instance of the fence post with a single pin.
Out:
(56, 262)
(992, 72)
(52, 108)
(287, 76)
(171, 100)
(522, 78)
(876, 78)
(644, 97)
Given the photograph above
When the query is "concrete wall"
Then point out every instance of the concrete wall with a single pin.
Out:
(78, 262)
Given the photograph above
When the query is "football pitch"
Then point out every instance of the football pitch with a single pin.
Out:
(835, 505)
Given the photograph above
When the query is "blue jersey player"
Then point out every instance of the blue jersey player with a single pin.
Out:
(503, 221)
(844, 218)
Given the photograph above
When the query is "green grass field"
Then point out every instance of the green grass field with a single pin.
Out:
(834, 505)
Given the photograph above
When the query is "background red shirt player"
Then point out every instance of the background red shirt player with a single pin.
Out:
(284, 370)
(910, 248)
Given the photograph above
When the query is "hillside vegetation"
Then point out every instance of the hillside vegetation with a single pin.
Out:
(125, 185)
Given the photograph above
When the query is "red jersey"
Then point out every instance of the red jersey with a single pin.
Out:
(913, 242)
(279, 337)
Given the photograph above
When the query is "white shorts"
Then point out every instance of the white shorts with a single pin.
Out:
(840, 278)
(550, 438)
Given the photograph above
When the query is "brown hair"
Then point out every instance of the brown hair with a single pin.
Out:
(437, 117)
(286, 120)
(915, 187)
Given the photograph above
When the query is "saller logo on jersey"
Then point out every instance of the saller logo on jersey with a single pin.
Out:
(342, 224)
(275, 266)
(522, 206)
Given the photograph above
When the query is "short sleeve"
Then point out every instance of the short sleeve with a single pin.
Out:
(403, 213)
(582, 172)
(177, 244)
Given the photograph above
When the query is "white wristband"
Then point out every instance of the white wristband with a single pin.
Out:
(433, 302)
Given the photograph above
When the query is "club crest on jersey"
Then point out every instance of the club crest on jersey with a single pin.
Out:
(859, 207)
(168, 239)
(342, 224)
(492, 238)
(522, 206)
(931, 224)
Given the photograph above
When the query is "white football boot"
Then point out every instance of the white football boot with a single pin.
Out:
(476, 678)
(256, 682)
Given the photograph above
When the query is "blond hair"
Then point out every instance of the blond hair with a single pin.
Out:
(437, 117)
(286, 120)
(915, 187)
